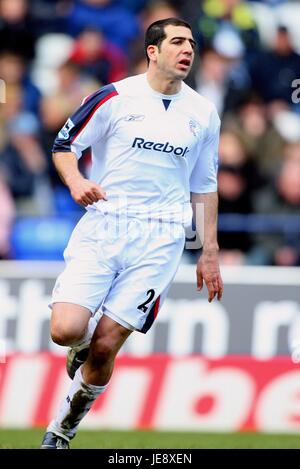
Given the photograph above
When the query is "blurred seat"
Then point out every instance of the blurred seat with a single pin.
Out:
(264, 16)
(52, 50)
(64, 204)
(289, 16)
(41, 238)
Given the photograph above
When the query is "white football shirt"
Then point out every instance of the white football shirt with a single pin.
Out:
(149, 150)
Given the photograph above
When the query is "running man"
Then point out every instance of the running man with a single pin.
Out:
(154, 145)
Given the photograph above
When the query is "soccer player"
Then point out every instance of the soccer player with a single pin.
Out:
(154, 141)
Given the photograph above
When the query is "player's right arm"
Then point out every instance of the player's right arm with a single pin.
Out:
(89, 124)
(83, 191)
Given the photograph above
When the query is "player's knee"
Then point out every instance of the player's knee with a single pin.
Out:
(102, 350)
(64, 336)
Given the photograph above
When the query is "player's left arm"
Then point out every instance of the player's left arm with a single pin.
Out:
(203, 187)
(208, 270)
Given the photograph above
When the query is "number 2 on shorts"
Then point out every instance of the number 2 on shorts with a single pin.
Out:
(144, 306)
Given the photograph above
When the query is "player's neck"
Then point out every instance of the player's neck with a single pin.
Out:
(163, 85)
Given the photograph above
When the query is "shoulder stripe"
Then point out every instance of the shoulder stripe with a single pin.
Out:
(80, 118)
(86, 99)
(107, 97)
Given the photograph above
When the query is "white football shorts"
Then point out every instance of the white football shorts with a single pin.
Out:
(123, 265)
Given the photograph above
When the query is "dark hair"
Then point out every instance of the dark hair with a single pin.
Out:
(155, 33)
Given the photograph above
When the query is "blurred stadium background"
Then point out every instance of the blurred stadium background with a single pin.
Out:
(229, 367)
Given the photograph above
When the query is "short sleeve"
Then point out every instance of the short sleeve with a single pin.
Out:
(204, 174)
(88, 124)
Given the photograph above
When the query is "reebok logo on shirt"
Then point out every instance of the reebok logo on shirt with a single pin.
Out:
(164, 147)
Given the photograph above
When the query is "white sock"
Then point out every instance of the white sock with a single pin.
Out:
(86, 339)
(74, 407)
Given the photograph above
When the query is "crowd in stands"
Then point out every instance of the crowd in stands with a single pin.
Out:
(53, 53)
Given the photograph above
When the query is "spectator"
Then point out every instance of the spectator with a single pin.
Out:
(282, 197)
(118, 24)
(99, 58)
(16, 33)
(291, 151)
(281, 66)
(222, 75)
(260, 138)
(214, 15)
(157, 10)
(21, 157)
(7, 215)
(238, 177)
(211, 78)
(136, 6)
(14, 72)
(47, 15)
(72, 88)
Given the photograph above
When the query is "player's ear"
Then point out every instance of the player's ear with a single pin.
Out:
(152, 52)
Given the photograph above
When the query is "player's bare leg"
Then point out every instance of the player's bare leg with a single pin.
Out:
(107, 340)
(74, 326)
(69, 323)
(90, 380)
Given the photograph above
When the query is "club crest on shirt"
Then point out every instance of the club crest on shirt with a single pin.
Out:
(134, 118)
(195, 128)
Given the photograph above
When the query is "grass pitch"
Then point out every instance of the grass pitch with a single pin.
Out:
(23, 439)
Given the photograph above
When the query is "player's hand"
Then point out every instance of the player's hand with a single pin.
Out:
(86, 192)
(208, 271)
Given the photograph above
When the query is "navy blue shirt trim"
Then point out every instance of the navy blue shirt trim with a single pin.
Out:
(77, 122)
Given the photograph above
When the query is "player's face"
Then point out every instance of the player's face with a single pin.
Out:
(176, 53)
